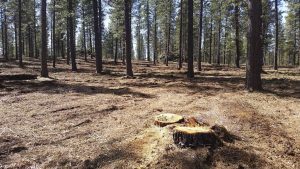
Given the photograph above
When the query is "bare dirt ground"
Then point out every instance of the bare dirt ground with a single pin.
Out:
(84, 120)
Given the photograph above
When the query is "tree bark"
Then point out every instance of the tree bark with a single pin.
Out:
(36, 54)
(276, 36)
(84, 33)
(16, 37)
(155, 34)
(200, 35)
(190, 73)
(97, 37)
(20, 34)
(127, 5)
(71, 35)
(53, 34)
(237, 33)
(44, 71)
(116, 52)
(219, 33)
(6, 54)
(210, 40)
(253, 73)
(180, 36)
(148, 32)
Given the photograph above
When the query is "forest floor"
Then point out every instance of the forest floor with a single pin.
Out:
(85, 120)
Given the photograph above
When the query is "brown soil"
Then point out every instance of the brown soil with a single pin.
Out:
(84, 120)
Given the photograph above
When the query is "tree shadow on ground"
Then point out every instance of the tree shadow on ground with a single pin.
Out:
(61, 88)
(229, 156)
(280, 87)
(107, 158)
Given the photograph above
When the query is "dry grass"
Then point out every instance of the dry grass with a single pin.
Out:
(84, 120)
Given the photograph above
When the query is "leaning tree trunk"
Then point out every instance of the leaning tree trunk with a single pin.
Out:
(44, 72)
(253, 73)
(127, 5)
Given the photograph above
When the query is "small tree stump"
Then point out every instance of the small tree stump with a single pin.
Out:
(167, 119)
(195, 137)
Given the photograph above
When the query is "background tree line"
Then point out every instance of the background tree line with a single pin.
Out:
(160, 31)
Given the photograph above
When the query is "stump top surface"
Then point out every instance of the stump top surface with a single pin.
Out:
(168, 118)
(193, 130)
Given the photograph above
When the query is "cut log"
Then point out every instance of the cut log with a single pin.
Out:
(18, 77)
(167, 119)
(195, 137)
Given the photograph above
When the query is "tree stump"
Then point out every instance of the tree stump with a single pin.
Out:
(195, 137)
(167, 119)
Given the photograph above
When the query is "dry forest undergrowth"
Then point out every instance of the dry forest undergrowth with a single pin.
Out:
(85, 120)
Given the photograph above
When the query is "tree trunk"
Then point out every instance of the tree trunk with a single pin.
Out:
(97, 37)
(219, 33)
(84, 33)
(190, 73)
(16, 37)
(127, 5)
(210, 40)
(180, 36)
(68, 45)
(276, 36)
(2, 33)
(148, 31)
(169, 34)
(53, 35)
(91, 43)
(237, 33)
(20, 33)
(116, 52)
(44, 71)
(200, 35)
(36, 55)
(155, 34)
(71, 35)
(225, 41)
(253, 73)
(6, 54)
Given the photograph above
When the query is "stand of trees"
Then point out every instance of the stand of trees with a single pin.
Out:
(210, 31)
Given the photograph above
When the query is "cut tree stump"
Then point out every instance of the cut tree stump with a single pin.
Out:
(167, 119)
(195, 137)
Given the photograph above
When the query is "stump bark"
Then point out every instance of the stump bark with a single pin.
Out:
(167, 119)
(195, 137)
